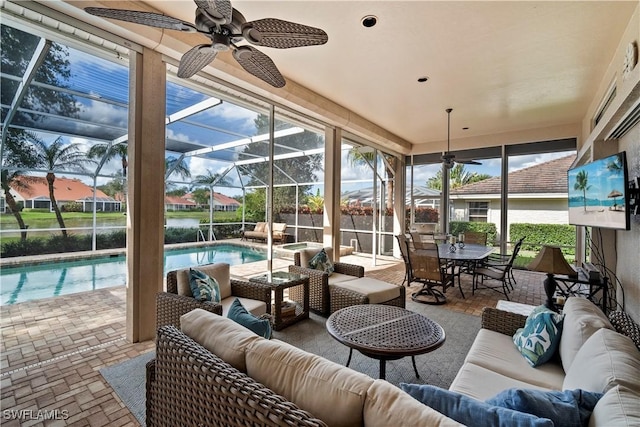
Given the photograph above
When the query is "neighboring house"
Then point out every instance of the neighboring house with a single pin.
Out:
(220, 202)
(34, 194)
(537, 194)
(177, 203)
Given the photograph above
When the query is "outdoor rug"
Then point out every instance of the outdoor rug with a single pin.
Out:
(437, 368)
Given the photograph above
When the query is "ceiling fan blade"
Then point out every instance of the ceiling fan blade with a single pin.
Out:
(259, 64)
(145, 18)
(218, 10)
(468, 162)
(271, 32)
(195, 60)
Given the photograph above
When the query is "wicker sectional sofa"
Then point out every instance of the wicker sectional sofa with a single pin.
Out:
(592, 357)
(215, 372)
(261, 232)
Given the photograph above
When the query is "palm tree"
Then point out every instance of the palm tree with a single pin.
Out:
(179, 166)
(458, 177)
(358, 158)
(582, 181)
(62, 157)
(210, 179)
(615, 165)
(108, 152)
(17, 152)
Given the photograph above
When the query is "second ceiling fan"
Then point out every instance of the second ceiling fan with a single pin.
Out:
(448, 158)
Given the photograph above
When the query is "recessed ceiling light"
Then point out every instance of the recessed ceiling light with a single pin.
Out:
(465, 128)
(369, 21)
(423, 79)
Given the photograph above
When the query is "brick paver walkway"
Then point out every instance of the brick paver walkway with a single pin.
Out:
(52, 349)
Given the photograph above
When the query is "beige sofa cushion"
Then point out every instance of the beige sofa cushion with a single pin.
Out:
(377, 290)
(496, 352)
(386, 405)
(220, 335)
(482, 383)
(253, 306)
(331, 392)
(307, 254)
(581, 319)
(219, 271)
(618, 407)
(607, 359)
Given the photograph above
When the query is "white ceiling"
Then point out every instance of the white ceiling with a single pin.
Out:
(502, 66)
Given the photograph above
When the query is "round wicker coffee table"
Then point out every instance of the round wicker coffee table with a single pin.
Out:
(385, 332)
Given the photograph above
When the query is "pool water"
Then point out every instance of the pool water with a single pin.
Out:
(20, 284)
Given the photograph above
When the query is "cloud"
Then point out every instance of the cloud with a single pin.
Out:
(525, 161)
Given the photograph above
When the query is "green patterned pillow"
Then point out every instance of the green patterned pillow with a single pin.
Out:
(321, 261)
(203, 287)
(539, 338)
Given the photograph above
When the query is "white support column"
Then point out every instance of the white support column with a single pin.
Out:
(332, 181)
(145, 207)
(399, 202)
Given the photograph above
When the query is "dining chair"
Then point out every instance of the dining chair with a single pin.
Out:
(403, 243)
(502, 259)
(499, 272)
(472, 237)
(427, 268)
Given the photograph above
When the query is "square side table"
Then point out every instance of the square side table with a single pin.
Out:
(279, 281)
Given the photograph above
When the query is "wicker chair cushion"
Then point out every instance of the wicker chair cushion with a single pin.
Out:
(387, 405)
(221, 336)
(377, 290)
(581, 320)
(612, 358)
(307, 254)
(219, 271)
(336, 278)
(624, 324)
(618, 407)
(331, 392)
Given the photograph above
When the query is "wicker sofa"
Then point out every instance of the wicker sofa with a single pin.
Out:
(214, 372)
(592, 356)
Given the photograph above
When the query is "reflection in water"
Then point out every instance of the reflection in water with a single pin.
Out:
(20, 284)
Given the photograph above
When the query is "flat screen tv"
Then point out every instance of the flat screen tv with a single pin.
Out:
(598, 195)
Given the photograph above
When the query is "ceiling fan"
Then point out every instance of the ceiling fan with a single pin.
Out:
(226, 27)
(448, 158)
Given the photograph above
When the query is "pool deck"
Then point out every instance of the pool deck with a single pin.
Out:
(52, 349)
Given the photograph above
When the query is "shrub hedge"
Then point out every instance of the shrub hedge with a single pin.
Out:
(457, 227)
(537, 235)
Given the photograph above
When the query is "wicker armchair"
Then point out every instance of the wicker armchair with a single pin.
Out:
(319, 280)
(170, 305)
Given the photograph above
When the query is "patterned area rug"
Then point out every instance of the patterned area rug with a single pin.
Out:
(437, 368)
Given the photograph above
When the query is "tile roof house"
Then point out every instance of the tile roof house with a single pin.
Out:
(221, 202)
(537, 194)
(34, 193)
(178, 203)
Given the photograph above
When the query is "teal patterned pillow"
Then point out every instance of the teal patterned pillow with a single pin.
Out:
(539, 338)
(203, 287)
(321, 261)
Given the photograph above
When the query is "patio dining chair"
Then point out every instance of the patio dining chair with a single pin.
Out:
(501, 259)
(427, 268)
(497, 272)
(476, 238)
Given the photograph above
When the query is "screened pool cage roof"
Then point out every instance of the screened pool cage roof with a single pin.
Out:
(198, 124)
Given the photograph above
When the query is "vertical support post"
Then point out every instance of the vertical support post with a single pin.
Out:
(269, 212)
(444, 201)
(332, 184)
(145, 207)
(399, 202)
(504, 200)
(210, 212)
(94, 243)
(374, 224)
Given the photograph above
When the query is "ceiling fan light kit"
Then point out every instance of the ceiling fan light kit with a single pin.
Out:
(226, 27)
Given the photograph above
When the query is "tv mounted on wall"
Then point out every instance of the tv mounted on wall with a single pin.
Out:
(598, 193)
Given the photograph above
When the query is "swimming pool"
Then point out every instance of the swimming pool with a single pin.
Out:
(20, 284)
